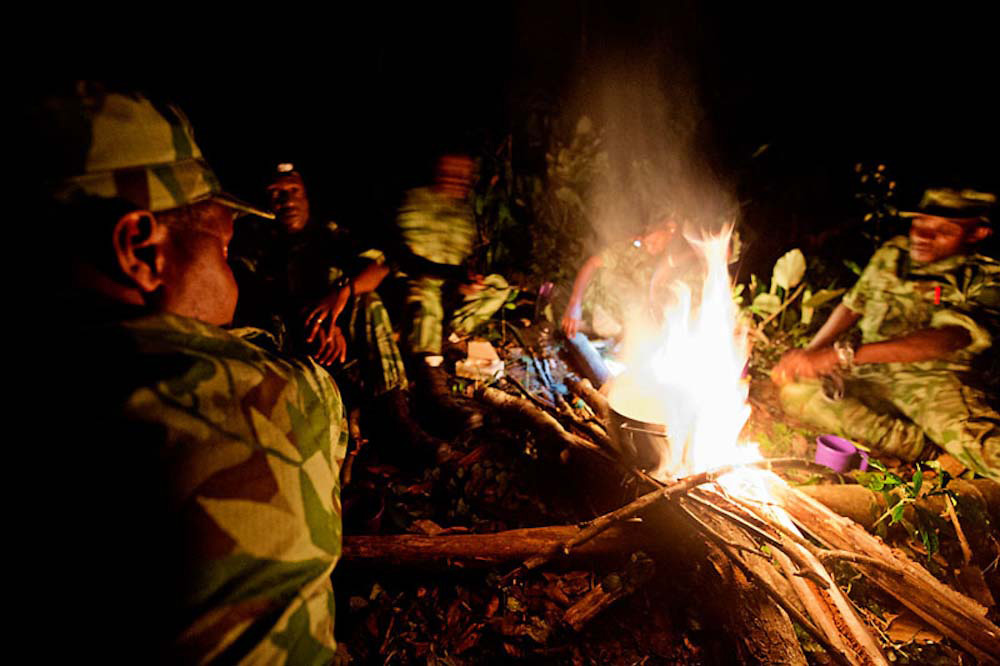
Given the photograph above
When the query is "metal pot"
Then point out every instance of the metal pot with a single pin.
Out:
(645, 443)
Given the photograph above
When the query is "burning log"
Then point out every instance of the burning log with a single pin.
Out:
(485, 550)
(956, 616)
(604, 522)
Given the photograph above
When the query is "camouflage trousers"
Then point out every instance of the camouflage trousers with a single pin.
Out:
(426, 311)
(899, 412)
(372, 342)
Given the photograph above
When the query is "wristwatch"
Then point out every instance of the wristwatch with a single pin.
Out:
(845, 354)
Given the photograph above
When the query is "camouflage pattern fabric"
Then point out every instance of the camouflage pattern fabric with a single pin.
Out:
(426, 311)
(281, 276)
(436, 228)
(896, 407)
(619, 288)
(235, 456)
(130, 149)
(370, 333)
(441, 231)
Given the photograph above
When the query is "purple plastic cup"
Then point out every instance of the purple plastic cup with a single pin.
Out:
(839, 454)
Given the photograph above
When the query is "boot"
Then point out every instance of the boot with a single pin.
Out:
(434, 393)
(409, 442)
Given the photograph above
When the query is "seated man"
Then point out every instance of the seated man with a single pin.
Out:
(437, 234)
(308, 282)
(926, 306)
(203, 504)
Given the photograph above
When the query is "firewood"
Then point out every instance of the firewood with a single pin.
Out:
(953, 614)
(613, 587)
(602, 523)
(865, 506)
(546, 424)
(587, 392)
(485, 550)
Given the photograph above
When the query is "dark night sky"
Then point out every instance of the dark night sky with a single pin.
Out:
(360, 96)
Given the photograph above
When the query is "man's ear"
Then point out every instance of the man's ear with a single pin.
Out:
(982, 232)
(139, 247)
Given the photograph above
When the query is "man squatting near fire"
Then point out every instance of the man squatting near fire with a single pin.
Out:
(201, 506)
(308, 282)
(436, 241)
(623, 276)
(927, 307)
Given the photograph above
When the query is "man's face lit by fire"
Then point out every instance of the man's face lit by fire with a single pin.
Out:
(934, 238)
(453, 176)
(288, 201)
(656, 241)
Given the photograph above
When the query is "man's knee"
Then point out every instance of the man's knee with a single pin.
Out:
(797, 398)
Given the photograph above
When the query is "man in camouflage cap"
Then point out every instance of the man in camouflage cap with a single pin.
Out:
(205, 494)
(927, 306)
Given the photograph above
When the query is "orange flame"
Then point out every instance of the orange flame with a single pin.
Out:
(687, 372)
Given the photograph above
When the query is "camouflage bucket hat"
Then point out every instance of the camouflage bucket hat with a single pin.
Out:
(954, 204)
(122, 146)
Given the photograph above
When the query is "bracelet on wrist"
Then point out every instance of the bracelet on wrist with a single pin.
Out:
(845, 355)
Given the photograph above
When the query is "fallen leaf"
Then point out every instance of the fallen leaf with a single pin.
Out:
(907, 628)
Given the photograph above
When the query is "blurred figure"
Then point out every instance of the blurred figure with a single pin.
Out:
(927, 306)
(310, 283)
(437, 234)
(621, 277)
(204, 498)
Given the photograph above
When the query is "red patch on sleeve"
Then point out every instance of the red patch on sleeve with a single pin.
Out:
(937, 295)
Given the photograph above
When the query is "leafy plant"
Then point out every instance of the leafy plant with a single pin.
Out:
(899, 493)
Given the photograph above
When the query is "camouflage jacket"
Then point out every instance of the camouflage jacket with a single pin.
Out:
(215, 488)
(896, 296)
(435, 228)
(281, 275)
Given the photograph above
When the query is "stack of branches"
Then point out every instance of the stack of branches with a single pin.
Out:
(757, 550)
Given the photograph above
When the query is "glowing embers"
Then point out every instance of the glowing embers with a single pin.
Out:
(685, 372)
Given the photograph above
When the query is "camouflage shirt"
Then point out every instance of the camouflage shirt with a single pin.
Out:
(436, 228)
(896, 296)
(282, 275)
(216, 492)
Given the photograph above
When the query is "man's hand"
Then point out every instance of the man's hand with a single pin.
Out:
(325, 314)
(332, 347)
(472, 286)
(321, 324)
(804, 364)
(571, 320)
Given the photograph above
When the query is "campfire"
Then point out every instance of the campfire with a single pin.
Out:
(674, 421)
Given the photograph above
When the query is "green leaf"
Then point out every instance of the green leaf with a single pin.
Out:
(853, 266)
(897, 513)
(821, 297)
(766, 303)
(930, 540)
(789, 269)
(918, 481)
(807, 312)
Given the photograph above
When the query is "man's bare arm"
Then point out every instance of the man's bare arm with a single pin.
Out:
(571, 320)
(839, 321)
(923, 345)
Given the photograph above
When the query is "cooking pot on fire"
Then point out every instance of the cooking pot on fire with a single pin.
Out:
(643, 442)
